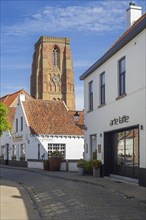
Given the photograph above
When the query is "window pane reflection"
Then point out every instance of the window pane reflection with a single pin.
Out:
(120, 148)
(127, 148)
(136, 147)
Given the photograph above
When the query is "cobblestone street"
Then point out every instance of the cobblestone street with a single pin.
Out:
(57, 199)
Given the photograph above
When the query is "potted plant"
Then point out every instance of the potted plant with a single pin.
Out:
(81, 166)
(14, 157)
(96, 164)
(88, 167)
(22, 158)
(55, 161)
(2, 156)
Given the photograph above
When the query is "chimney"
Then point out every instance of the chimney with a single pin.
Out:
(133, 13)
(21, 98)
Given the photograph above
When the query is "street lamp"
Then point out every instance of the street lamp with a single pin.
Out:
(76, 117)
(76, 120)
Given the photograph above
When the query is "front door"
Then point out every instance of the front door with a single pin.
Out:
(125, 153)
(121, 155)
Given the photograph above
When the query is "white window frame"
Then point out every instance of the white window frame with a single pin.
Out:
(56, 146)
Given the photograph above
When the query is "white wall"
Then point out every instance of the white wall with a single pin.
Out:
(35, 164)
(74, 146)
(132, 105)
(135, 72)
(5, 139)
(25, 132)
(72, 166)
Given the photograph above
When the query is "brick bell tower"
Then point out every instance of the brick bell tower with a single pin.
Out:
(52, 75)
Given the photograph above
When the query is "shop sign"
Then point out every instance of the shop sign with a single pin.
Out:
(17, 138)
(120, 120)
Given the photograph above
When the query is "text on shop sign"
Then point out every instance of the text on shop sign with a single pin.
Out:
(120, 120)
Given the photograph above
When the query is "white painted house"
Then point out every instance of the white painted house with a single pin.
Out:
(6, 138)
(41, 127)
(115, 103)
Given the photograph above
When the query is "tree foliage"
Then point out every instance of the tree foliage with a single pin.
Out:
(4, 124)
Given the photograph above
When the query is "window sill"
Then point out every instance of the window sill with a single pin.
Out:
(100, 106)
(90, 111)
(121, 96)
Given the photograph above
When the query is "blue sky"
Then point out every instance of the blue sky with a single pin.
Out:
(92, 26)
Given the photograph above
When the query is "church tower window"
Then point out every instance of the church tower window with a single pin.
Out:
(56, 57)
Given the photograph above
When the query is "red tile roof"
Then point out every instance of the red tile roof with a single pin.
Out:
(10, 100)
(51, 117)
(11, 114)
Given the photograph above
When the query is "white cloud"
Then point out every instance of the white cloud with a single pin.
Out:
(93, 17)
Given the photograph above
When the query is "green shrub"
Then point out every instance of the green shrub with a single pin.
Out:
(57, 154)
(88, 166)
(81, 163)
(96, 164)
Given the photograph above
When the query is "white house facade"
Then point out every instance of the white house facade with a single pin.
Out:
(115, 105)
(5, 143)
(6, 138)
(39, 128)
